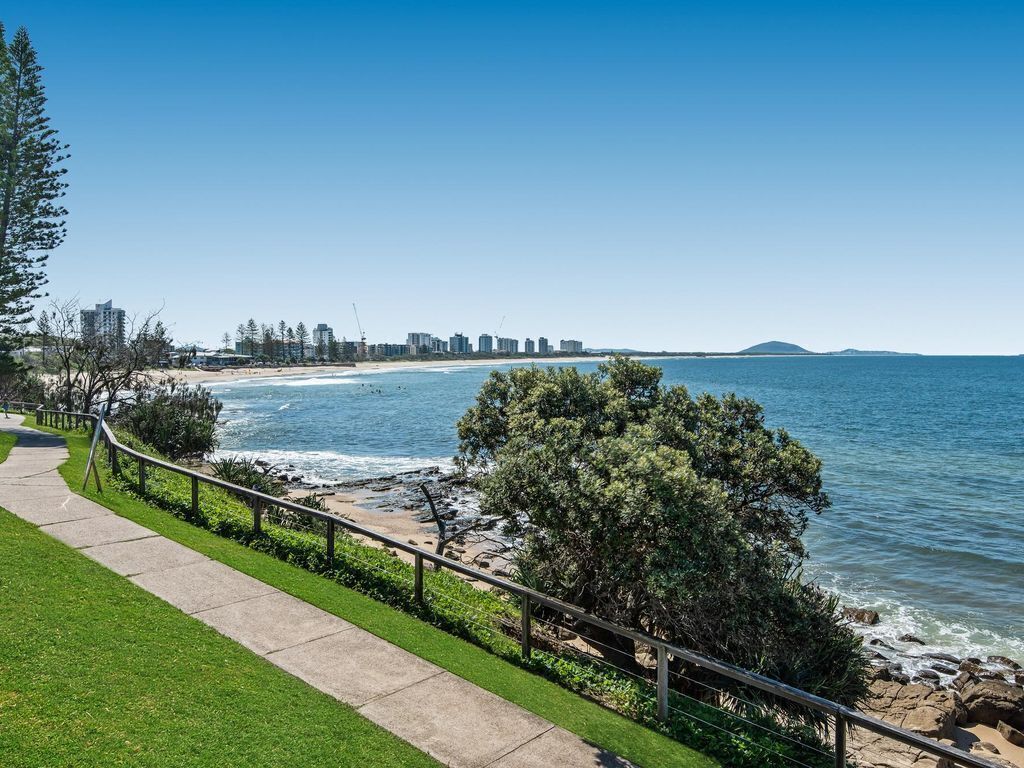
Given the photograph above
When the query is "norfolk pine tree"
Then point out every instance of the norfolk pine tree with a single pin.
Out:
(31, 184)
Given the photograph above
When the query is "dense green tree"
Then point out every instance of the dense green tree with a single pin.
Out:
(678, 516)
(282, 332)
(31, 185)
(302, 337)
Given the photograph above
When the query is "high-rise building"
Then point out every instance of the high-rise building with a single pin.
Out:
(459, 344)
(323, 334)
(485, 343)
(388, 350)
(104, 322)
(573, 346)
(439, 346)
(419, 342)
(529, 347)
(543, 347)
(508, 346)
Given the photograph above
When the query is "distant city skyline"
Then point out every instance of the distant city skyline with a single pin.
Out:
(664, 176)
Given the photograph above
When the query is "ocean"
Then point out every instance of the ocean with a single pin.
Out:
(923, 458)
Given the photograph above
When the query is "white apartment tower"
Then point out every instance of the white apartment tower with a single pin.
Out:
(105, 322)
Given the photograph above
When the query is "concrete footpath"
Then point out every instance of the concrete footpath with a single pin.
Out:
(447, 717)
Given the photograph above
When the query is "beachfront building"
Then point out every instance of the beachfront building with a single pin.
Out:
(459, 345)
(529, 347)
(543, 347)
(439, 346)
(105, 322)
(323, 334)
(485, 343)
(572, 346)
(508, 346)
(387, 350)
(420, 342)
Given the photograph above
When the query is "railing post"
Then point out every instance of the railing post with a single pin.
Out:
(142, 476)
(257, 516)
(195, 496)
(662, 683)
(525, 628)
(330, 544)
(840, 741)
(418, 582)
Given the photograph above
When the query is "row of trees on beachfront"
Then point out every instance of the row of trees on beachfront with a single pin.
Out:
(285, 343)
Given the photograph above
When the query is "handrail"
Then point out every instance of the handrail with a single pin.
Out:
(842, 714)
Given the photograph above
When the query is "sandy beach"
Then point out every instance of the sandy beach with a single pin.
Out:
(196, 376)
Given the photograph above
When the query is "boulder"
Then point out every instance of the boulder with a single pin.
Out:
(944, 657)
(928, 674)
(862, 615)
(984, 746)
(969, 666)
(908, 638)
(989, 701)
(944, 670)
(988, 752)
(1011, 734)
(961, 680)
(1005, 662)
(919, 708)
(877, 641)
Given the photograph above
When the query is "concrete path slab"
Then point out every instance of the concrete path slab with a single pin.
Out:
(272, 622)
(93, 531)
(46, 510)
(130, 558)
(455, 721)
(572, 752)
(201, 586)
(354, 666)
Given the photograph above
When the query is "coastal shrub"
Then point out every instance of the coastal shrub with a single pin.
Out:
(677, 516)
(248, 473)
(485, 618)
(178, 420)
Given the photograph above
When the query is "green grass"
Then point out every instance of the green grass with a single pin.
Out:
(543, 697)
(6, 443)
(97, 672)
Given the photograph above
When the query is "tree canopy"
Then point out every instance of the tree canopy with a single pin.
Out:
(676, 515)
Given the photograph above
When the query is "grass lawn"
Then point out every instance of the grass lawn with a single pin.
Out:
(97, 672)
(6, 443)
(543, 697)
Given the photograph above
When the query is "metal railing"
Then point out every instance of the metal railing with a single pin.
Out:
(841, 717)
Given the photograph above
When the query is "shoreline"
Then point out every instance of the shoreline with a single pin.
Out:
(196, 376)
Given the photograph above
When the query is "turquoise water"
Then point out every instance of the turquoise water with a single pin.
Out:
(924, 459)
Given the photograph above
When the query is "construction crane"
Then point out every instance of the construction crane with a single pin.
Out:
(362, 333)
(497, 333)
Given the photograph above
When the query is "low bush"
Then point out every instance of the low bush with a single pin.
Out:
(247, 472)
(177, 419)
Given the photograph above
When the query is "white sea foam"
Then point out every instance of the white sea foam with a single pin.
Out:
(325, 467)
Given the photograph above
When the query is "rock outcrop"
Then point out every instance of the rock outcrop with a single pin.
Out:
(990, 701)
(1011, 734)
(862, 615)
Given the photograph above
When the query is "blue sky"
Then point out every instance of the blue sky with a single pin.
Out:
(654, 175)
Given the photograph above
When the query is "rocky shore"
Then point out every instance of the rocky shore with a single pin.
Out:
(974, 703)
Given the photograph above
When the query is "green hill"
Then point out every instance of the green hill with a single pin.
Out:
(775, 348)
